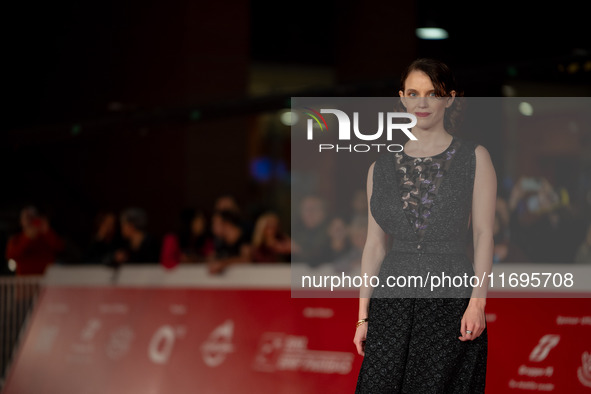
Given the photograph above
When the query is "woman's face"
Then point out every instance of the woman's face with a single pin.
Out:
(420, 99)
(312, 212)
(337, 229)
(271, 226)
(126, 229)
(108, 225)
(198, 225)
(217, 225)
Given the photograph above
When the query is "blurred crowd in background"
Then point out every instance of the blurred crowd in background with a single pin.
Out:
(220, 239)
(537, 222)
(534, 223)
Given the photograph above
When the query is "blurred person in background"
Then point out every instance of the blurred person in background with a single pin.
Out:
(540, 223)
(216, 229)
(106, 241)
(269, 243)
(583, 254)
(226, 202)
(36, 246)
(350, 262)
(339, 238)
(310, 239)
(356, 231)
(505, 250)
(235, 244)
(504, 213)
(193, 243)
(531, 196)
(195, 240)
(359, 205)
(140, 246)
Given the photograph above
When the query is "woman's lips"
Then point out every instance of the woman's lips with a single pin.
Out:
(422, 114)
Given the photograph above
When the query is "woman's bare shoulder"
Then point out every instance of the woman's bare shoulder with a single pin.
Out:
(482, 155)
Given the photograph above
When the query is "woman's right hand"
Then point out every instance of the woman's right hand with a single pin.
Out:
(359, 339)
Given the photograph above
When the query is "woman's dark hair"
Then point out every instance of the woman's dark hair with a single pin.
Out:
(444, 82)
(187, 239)
(101, 216)
(232, 217)
(135, 216)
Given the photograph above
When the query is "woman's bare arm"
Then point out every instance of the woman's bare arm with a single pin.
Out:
(374, 250)
(483, 216)
(484, 199)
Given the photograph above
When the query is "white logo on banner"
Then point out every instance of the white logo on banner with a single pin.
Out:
(530, 385)
(539, 353)
(88, 332)
(282, 352)
(535, 372)
(546, 343)
(322, 313)
(218, 344)
(584, 371)
(162, 343)
(120, 342)
(82, 351)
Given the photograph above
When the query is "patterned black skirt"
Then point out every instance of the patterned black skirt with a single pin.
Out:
(412, 347)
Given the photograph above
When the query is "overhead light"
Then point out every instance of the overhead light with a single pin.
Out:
(526, 108)
(288, 117)
(432, 33)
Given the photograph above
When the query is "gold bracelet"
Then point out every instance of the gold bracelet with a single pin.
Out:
(360, 322)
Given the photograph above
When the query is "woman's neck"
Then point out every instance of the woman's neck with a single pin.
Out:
(428, 140)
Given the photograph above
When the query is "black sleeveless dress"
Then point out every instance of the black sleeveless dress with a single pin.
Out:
(412, 343)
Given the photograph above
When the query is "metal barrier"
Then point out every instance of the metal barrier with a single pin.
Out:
(17, 297)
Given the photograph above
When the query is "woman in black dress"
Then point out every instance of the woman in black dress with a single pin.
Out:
(415, 340)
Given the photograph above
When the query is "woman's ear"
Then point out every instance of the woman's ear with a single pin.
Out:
(402, 99)
(450, 100)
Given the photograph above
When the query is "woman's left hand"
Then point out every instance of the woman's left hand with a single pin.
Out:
(473, 320)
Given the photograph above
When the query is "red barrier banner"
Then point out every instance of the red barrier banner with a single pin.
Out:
(184, 340)
(114, 340)
(539, 345)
